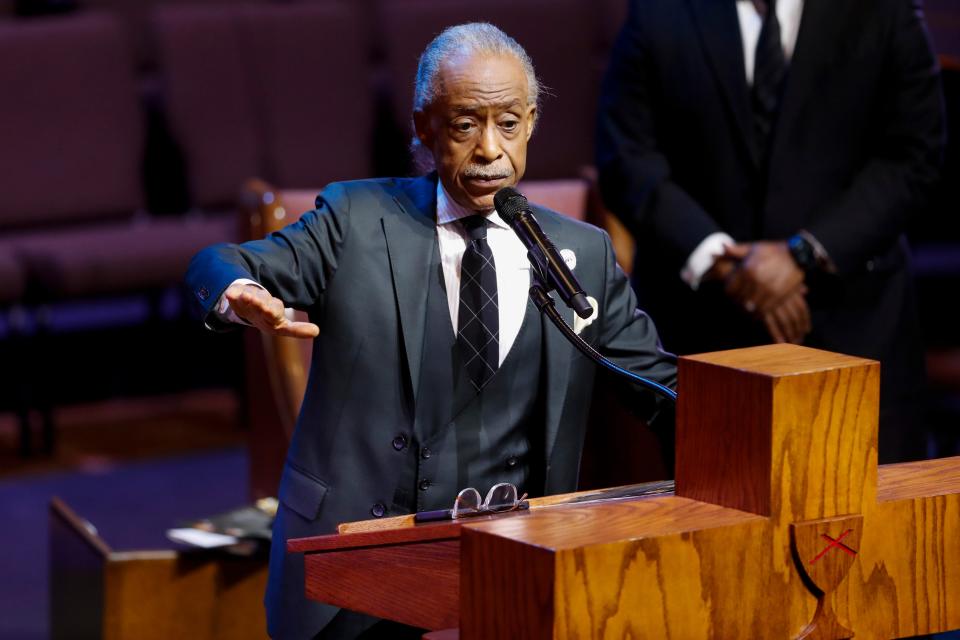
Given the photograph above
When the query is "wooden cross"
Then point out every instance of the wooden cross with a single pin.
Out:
(780, 527)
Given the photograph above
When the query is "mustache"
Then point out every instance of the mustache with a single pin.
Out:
(487, 172)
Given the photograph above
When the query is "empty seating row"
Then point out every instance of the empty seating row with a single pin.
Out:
(296, 76)
(280, 92)
(314, 59)
(71, 213)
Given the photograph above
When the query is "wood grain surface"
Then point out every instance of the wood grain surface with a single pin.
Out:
(572, 526)
(374, 537)
(523, 606)
(921, 479)
(415, 584)
(906, 580)
(782, 431)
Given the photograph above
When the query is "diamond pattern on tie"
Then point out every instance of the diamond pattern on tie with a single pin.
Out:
(478, 321)
(769, 73)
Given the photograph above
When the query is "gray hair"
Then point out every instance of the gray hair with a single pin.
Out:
(464, 39)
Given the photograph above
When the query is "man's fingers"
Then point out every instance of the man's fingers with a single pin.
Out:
(803, 313)
(739, 285)
(255, 302)
(298, 330)
(737, 251)
(266, 313)
(773, 327)
(796, 314)
(793, 325)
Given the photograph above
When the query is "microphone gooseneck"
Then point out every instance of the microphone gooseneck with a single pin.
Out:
(552, 273)
(545, 304)
(549, 265)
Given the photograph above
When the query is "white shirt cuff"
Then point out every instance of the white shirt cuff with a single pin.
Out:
(702, 258)
(223, 310)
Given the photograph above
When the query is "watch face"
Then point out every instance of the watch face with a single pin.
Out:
(802, 252)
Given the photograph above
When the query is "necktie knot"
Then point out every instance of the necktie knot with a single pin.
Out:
(476, 227)
(763, 7)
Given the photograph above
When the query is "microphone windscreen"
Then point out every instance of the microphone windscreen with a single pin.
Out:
(509, 202)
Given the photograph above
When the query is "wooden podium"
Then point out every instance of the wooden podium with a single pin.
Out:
(780, 526)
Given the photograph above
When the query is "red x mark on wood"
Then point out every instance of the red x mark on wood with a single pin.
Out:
(835, 543)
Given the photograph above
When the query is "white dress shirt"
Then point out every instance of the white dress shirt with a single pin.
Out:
(509, 254)
(789, 13)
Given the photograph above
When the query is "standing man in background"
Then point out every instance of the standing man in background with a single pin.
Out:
(767, 156)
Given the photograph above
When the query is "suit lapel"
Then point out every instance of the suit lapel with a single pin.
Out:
(557, 350)
(719, 29)
(410, 239)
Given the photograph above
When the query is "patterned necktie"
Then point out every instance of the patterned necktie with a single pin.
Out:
(478, 330)
(769, 71)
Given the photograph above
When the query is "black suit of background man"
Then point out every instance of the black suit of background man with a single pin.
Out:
(855, 147)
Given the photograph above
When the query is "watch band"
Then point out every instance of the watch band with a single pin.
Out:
(802, 251)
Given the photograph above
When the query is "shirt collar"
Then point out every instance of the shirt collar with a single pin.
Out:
(449, 210)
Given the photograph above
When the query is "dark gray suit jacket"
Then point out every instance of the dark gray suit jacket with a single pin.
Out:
(358, 264)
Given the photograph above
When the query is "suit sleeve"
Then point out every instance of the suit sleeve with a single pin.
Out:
(635, 179)
(627, 335)
(295, 264)
(866, 218)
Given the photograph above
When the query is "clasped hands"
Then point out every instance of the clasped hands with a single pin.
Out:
(265, 312)
(764, 279)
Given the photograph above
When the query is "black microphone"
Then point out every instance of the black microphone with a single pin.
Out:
(515, 211)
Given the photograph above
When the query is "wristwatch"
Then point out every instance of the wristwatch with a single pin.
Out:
(802, 251)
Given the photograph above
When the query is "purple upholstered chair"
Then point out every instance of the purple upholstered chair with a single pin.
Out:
(275, 91)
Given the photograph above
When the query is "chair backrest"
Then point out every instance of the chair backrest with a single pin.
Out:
(207, 91)
(313, 93)
(253, 91)
(288, 359)
(943, 20)
(277, 368)
(70, 121)
(559, 35)
(135, 16)
(568, 197)
(580, 199)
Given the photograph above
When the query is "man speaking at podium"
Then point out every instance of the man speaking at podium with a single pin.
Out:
(431, 369)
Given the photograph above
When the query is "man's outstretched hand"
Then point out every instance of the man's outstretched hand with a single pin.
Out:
(262, 310)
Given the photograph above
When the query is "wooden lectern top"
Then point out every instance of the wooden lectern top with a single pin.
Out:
(566, 527)
(776, 360)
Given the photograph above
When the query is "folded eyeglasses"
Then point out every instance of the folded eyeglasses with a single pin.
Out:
(500, 499)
